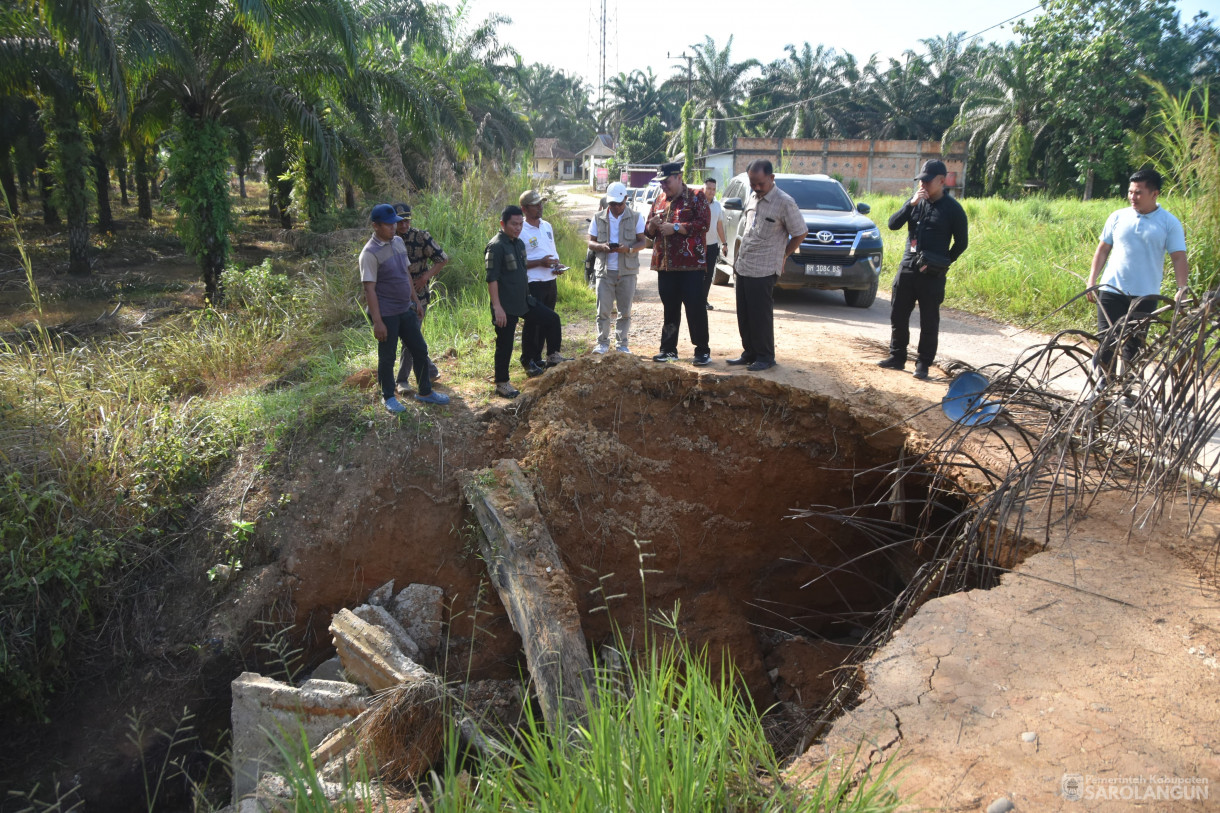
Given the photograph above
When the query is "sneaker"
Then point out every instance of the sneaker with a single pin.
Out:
(533, 370)
(433, 372)
(892, 363)
(433, 397)
(709, 306)
(601, 349)
(740, 361)
(622, 348)
(403, 388)
(759, 366)
(555, 359)
(393, 405)
(507, 390)
(921, 370)
(665, 357)
(1127, 401)
(703, 359)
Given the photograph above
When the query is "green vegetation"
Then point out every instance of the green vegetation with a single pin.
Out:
(664, 735)
(1029, 258)
(104, 439)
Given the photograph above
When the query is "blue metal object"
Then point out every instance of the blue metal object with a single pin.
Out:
(964, 403)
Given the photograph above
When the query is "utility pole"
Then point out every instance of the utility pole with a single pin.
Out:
(690, 69)
(602, 75)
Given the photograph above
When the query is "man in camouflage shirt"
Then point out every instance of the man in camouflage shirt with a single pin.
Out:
(427, 259)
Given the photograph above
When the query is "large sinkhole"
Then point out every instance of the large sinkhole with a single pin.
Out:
(663, 487)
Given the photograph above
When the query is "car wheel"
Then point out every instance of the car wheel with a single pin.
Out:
(862, 299)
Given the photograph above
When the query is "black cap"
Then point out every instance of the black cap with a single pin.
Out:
(931, 168)
(672, 168)
(403, 210)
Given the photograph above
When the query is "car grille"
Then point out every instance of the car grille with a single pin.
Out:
(839, 238)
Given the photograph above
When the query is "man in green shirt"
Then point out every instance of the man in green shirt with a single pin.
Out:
(508, 287)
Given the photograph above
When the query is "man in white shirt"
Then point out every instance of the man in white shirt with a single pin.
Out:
(616, 237)
(1132, 252)
(715, 236)
(542, 271)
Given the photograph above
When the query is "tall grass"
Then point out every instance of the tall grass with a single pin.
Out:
(1028, 258)
(663, 735)
(102, 438)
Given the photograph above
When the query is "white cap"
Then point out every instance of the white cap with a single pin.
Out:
(617, 192)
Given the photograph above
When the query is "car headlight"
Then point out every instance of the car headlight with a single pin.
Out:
(871, 234)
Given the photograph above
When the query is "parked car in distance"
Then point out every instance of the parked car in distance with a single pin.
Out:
(842, 250)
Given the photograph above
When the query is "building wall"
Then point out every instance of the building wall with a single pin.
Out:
(874, 165)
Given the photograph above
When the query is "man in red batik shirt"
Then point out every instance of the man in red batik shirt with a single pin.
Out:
(678, 227)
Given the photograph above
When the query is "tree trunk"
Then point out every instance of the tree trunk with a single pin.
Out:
(241, 185)
(46, 188)
(349, 194)
(143, 200)
(393, 156)
(1088, 184)
(101, 182)
(537, 592)
(9, 184)
(120, 169)
(74, 192)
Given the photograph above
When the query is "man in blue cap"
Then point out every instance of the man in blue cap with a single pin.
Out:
(394, 308)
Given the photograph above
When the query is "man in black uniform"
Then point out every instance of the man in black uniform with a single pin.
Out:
(508, 288)
(932, 218)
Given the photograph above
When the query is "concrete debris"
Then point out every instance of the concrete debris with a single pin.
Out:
(265, 708)
(420, 609)
(370, 656)
(382, 595)
(379, 616)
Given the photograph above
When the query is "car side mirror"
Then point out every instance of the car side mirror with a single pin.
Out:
(863, 208)
(733, 204)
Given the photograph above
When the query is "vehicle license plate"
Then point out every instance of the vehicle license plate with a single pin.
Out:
(824, 270)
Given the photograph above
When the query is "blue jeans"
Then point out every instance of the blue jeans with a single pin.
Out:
(404, 326)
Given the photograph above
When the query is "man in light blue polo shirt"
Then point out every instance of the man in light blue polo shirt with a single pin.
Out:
(1132, 253)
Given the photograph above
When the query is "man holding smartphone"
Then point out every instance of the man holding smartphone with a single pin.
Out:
(937, 234)
(616, 237)
(542, 271)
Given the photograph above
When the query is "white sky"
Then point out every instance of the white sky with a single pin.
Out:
(566, 34)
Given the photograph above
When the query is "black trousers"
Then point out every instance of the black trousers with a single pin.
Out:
(540, 316)
(546, 293)
(913, 288)
(1121, 318)
(678, 290)
(404, 327)
(756, 316)
(713, 254)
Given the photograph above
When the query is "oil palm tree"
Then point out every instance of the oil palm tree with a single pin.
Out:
(718, 86)
(805, 91)
(1003, 102)
(257, 60)
(62, 53)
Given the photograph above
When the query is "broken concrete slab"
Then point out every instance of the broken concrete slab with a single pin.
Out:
(420, 608)
(370, 656)
(380, 616)
(264, 708)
